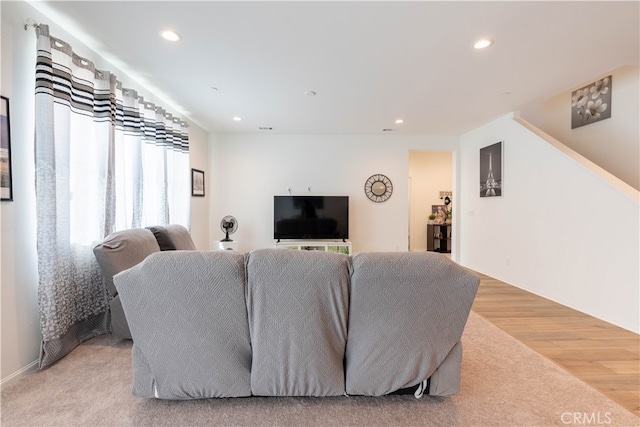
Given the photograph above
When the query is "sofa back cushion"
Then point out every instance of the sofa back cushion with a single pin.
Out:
(180, 236)
(188, 318)
(297, 303)
(407, 313)
(122, 250)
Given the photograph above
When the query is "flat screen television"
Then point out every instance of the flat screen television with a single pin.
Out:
(310, 217)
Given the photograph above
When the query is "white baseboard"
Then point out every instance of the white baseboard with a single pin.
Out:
(31, 367)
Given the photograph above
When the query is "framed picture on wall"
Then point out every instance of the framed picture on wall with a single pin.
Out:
(591, 103)
(491, 170)
(197, 183)
(6, 182)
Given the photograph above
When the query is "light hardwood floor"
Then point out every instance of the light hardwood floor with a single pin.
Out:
(600, 354)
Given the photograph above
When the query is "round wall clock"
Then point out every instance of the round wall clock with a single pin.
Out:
(378, 188)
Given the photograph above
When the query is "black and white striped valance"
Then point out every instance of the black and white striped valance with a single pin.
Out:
(102, 96)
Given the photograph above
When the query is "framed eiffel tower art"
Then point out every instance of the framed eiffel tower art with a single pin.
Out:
(491, 170)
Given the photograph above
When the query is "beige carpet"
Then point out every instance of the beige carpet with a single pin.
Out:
(504, 383)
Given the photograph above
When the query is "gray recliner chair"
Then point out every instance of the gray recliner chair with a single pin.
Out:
(124, 249)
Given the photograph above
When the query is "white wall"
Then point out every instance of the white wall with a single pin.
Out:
(19, 317)
(212, 189)
(613, 143)
(430, 173)
(250, 169)
(199, 158)
(558, 231)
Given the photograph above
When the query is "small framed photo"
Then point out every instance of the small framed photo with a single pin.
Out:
(197, 183)
(6, 184)
(440, 211)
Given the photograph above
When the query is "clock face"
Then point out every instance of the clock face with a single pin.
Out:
(378, 188)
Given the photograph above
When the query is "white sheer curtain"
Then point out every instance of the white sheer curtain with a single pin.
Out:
(152, 178)
(105, 160)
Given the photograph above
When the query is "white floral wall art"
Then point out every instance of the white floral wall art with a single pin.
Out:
(591, 103)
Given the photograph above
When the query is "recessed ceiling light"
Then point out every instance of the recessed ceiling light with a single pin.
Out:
(310, 93)
(482, 43)
(170, 35)
(237, 119)
(399, 121)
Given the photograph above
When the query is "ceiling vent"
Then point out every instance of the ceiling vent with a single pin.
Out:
(265, 128)
(389, 130)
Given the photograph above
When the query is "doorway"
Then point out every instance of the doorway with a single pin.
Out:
(430, 173)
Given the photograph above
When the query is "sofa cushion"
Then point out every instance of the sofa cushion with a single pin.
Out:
(297, 303)
(406, 317)
(188, 318)
(173, 237)
(180, 236)
(122, 250)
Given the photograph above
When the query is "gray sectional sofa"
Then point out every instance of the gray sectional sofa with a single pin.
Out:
(126, 248)
(281, 322)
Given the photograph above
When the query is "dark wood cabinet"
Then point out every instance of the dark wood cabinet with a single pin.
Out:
(439, 238)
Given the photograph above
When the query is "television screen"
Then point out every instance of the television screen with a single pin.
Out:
(310, 217)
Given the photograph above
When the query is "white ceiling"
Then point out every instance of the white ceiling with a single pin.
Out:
(369, 62)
